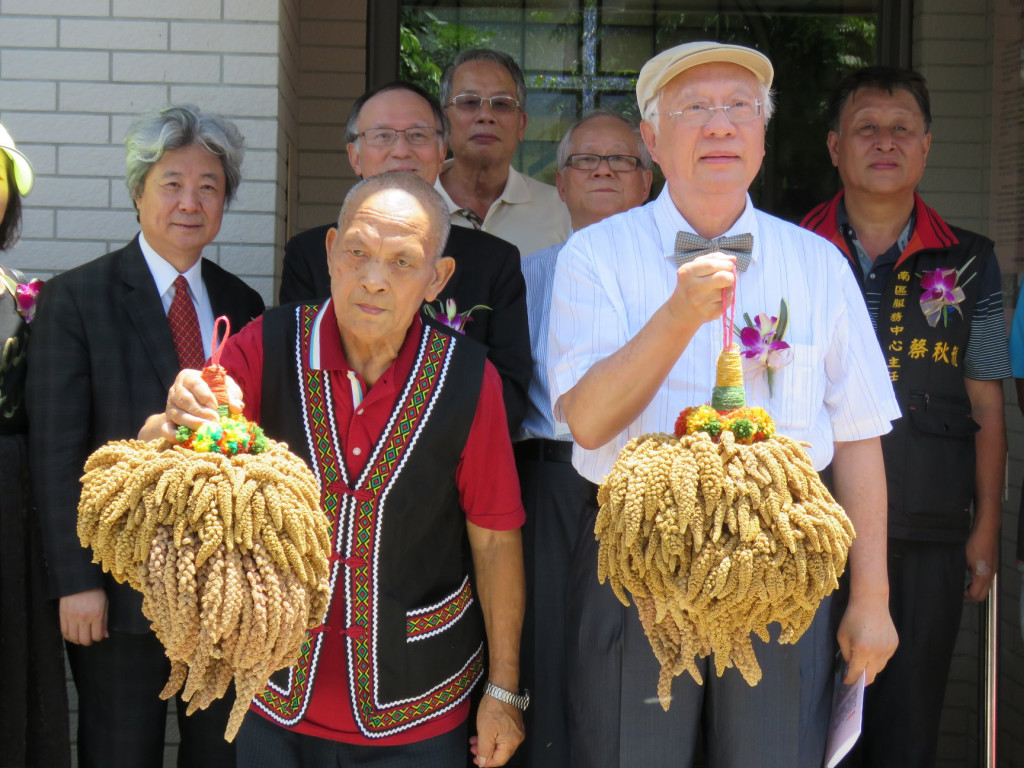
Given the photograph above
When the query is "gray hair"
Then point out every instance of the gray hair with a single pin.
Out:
(767, 99)
(181, 126)
(352, 126)
(484, 54)
(565, 145)
(406, 181)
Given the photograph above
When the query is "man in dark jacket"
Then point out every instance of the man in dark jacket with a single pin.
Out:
(934, 295)
(400, 127)
(109, 339)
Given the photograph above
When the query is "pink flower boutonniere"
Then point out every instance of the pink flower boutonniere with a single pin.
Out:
(940, 293)
(449, 315)
(25, 294)
(763, 349)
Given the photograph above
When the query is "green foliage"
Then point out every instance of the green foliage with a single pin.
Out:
(428, 44)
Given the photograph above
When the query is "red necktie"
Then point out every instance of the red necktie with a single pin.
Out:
(184, 322)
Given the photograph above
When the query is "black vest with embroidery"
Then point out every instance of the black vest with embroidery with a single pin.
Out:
(400, 592)
(930, 455)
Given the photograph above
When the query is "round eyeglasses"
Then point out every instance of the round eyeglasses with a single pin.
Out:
(470, 103)
(385, 137)
(701, 113)
(617, 163)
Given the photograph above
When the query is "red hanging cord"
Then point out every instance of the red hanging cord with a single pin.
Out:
(213, 374)
(729, 313)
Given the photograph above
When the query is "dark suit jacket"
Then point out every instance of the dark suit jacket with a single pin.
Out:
(102, 360)
(486, 272)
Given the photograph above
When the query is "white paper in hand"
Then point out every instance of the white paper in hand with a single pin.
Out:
(847, 716)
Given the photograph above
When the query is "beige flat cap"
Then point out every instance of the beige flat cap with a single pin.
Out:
(667, 64)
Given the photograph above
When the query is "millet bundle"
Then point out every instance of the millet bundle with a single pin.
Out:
(230, 553)
(717, 532)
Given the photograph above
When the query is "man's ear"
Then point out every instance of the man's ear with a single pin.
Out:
(832, 142)
(650, 137)
(444, 268)
(353, 158)
(560, 184)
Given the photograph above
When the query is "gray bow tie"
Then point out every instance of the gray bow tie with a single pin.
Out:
(689, 246)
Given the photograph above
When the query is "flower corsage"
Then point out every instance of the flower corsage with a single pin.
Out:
(446, 313)
(940, 293)
(763, 349)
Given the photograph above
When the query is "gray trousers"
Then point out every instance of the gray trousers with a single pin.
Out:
(615, 720)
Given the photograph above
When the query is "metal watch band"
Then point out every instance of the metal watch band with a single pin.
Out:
(518, 700)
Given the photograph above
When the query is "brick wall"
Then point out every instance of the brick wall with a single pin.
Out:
(953, 49)
(332, 74)
(74, 73)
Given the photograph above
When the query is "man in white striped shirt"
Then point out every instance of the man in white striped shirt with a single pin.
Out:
(634, 340)
(603, 169)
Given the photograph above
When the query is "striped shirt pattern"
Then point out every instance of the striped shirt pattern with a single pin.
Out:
(612, 276)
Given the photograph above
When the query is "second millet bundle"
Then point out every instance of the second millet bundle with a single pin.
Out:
(717, 532)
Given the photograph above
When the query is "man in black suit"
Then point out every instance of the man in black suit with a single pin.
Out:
(400, 127)
(103, 358)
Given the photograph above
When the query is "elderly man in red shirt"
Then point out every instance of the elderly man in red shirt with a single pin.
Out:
(404, 427)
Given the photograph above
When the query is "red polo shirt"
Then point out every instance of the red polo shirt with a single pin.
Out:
(486, 478)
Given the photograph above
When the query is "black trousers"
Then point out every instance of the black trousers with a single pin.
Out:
(121, 717)
(555, 497)
(263, 744)
(903, 707)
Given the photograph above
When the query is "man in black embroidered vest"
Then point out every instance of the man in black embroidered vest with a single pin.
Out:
(405, 429)
(935, 297)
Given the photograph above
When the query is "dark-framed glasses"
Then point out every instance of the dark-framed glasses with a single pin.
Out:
(701, 113)
(385, 137)
(470, 103)
(617, 163)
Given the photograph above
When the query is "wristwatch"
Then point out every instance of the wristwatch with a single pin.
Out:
(518, 700)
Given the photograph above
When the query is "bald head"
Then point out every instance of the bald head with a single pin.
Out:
(403, 182)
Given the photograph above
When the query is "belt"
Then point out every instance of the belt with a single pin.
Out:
(539, 449)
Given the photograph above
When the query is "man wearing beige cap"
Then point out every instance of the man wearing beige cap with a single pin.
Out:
(636, 328)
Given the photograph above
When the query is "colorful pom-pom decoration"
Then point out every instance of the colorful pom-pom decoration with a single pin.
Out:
(229, 436)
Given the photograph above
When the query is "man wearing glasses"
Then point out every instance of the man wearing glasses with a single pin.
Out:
(400, 127)
(603, 169)
(636, 328)
(484, 95)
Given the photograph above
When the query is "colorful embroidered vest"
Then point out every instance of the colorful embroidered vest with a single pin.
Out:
(400, 593)
(929, 454)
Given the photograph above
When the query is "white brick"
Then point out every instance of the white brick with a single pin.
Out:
(63, 128)
(247, 228)
(60, 192)
(42, 156)
(57, 256)
(250, 70)
(259, 165)
(114, 35)
(28, 33)
(91, 161)
(55, 65)
(35, 96)
(58, 7)
(37, 222)
(251, 10)
(106, 225)
(224, 37)
(259, 134)
(255, 196)
(247, 259)
(240, 101)
(167, 9)
(107, 98)
(166, 68)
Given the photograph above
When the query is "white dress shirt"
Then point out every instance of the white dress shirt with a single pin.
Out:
(164, 276)
(528, 213)
(539, 270)
(612, 276)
